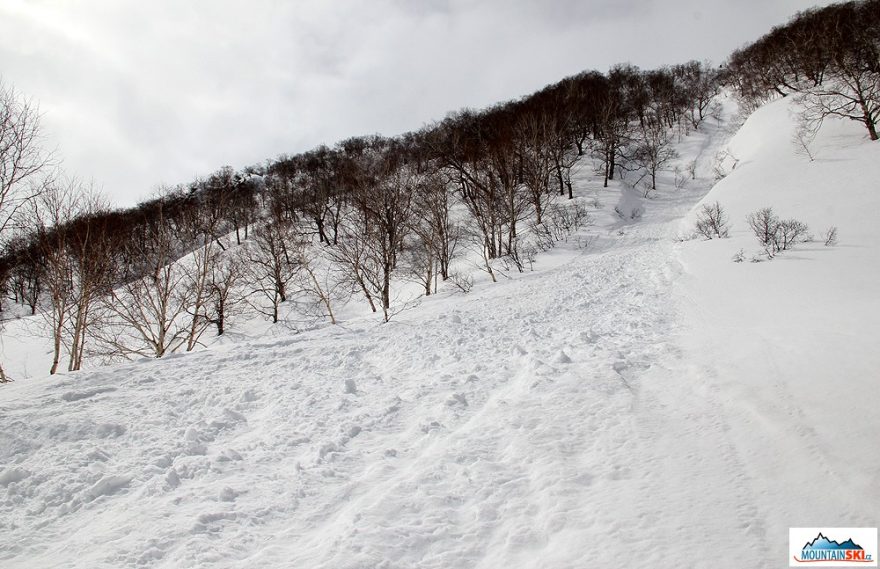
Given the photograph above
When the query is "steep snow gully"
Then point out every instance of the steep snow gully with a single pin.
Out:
(553, 420)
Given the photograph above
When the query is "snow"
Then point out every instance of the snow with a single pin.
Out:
(643, 401)
(791, 355)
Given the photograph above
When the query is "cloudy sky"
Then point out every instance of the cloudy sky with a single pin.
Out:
(137, 93)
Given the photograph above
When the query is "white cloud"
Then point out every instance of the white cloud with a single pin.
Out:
(138, 93)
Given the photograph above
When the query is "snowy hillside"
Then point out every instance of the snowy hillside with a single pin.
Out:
(626, 402)
(786, 350)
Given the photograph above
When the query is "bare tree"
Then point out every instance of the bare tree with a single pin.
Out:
(536, 137)
(565, 219)
(351, 255)
(653, 150)
(827, 56)
(199, 267)
(271, 265)
(774, 234)
(464, 144)
(225, 297)
(21, 267)
(23, 161)
(320, 280)
(564, 157)
(712, 221)
(804, 135)
(55, 210)
(146, 314)
(789, 233)
(765, 224)
(22, 158)
(91, 250)
(700, 85)
(612, 134)
(198, 218)
(420, 259)
(850, 85)
(432, 222)
(383, 196)
(512, 203)
(830, 236)
(75, 253)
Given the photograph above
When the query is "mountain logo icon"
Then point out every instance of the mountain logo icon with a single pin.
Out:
(822, 542)
(833, 547)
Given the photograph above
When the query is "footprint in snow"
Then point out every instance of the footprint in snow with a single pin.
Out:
(13, 474)
(432, 426)
(108, 485)
(70, 396)
(227, 494)
(109, 430)
(248, 396)
(457, 399)
(562, 358)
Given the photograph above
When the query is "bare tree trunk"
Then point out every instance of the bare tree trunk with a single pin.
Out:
(429, 277)
(386, 285)
(322, 236)
(220, 318)
(488, 265)
(869, 121)
(560, 180)
(79, 325)
(367, 294)
(56, 351)
(608, 169)
(322, 294)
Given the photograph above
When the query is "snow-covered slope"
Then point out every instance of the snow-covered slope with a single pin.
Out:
(644, 402)
(786, 350)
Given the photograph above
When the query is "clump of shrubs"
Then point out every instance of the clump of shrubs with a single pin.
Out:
(776, 234)
(563, 220)
(712, 221)
(559, 224)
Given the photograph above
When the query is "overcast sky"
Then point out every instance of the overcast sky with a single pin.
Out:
(135, 94)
